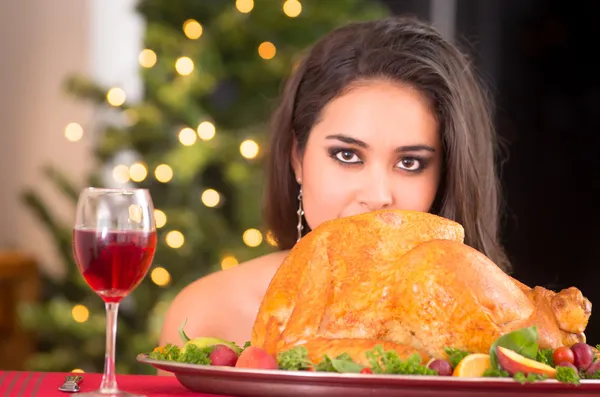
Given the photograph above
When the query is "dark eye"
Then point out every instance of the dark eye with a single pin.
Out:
(347, 156)
(410, 164)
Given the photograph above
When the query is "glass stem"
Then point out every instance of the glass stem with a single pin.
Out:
(109, 381)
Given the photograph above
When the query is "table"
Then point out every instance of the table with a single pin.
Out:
(45, 384)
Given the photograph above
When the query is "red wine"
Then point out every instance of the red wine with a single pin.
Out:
(113, 263)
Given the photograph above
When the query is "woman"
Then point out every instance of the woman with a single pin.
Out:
(380, 114)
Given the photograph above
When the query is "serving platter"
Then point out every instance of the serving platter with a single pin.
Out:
(242, 382)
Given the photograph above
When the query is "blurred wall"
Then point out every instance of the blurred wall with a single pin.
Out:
(41, 43)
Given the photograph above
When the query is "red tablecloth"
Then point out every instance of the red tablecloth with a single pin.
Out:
(45, 384)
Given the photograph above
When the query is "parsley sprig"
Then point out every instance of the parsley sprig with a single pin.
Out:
(388, 362)
(567, 375)
(545, 356)
(295, 359)
(381, 362)
(529, 378)
(455, 355)
(192, 354)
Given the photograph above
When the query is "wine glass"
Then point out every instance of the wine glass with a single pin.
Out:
(114, 240)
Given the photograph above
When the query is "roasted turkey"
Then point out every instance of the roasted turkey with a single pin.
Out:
(404, 280)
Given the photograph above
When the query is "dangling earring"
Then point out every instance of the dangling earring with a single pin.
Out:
(300, 213)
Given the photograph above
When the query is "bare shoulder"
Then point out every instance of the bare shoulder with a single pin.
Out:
(223, 304)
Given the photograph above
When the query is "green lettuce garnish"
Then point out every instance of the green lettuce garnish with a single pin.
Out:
(455, 355)
(342, 364)
(495, 373)
(388, 362)
(545, 356)
(295, 359)
(567, 375)
(169, 352)
(529, 378)
(192, 354)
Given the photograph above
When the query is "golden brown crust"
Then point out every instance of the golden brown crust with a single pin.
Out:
(571, 309)
(407, 280)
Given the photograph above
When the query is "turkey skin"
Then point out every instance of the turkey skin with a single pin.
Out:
(404, 280)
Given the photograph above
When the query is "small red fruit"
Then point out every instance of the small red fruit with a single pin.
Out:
(223, 355)
(592, 369)
(563, 354)
(584, 355)
(366, 370)
(442, 367)
(512, 362)
(255, 357)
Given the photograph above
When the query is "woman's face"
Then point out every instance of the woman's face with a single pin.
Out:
(375, 147)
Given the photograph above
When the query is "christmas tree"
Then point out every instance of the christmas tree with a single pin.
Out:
(212, 71)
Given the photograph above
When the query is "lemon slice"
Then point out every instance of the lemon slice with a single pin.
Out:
(473, 365)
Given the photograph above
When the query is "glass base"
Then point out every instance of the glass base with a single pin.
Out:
(108, 393)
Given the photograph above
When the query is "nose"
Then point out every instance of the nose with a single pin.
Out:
(376, 193)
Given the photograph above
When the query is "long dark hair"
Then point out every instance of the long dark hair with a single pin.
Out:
(409, 51)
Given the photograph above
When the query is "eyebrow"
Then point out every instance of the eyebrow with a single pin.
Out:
(399, 149)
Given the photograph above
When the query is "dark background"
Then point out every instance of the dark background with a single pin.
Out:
(539, 58)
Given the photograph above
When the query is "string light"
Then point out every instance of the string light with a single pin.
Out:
(160, 218)
(252, 237)
(184, 66)
(174, 239)
(73, 132)
(206, 130)
(244, 6)
(147, 58)
(210, 198)
(228, 262)
(136, 214)
(160, 276)
(116, 96)
(192, 29)
(267, 50)
(121, 173)
(80, 313)
(292, 8)
(163, 173)
(187, 136)
(249, 149)
(138, 172)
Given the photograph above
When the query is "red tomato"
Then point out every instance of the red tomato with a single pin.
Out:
(366, 370)
(563, 354)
